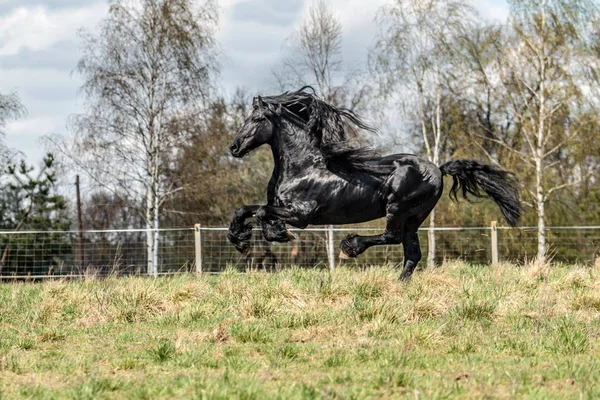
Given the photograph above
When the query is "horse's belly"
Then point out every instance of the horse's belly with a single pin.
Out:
(332, 200)
(350, 217)
(346, 210)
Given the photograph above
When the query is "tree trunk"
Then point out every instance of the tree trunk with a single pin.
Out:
(540, 210)
(539, 156)
(431, 156)
(431, 241)
(149, 232)
(435, 158)
(156, 226)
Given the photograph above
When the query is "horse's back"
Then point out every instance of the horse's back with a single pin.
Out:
(411, 164)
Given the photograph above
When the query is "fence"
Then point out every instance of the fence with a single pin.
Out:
(204, 249)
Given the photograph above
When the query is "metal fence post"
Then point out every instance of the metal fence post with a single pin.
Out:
(330, 250)
(494, 231)
(198, 247)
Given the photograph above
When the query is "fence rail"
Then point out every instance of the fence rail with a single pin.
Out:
(33, 254)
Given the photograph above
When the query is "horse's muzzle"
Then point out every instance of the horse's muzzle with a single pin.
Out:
(234, 148)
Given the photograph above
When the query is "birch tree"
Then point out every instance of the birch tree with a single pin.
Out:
(150, 64)
(10, 108)
(542, 72)
(412, 57)
(473, 82)
(313, 56)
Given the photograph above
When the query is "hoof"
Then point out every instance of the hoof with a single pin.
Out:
(276, 231)
(240, 235)
(244, 248)
(405, 277)
(344, 256)
(290, 235)
(350, 247)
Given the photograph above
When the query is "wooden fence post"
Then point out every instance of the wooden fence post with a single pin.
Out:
(330, 249)
(494, 231)
(198, 247)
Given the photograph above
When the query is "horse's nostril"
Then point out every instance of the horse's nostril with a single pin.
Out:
(233, 147)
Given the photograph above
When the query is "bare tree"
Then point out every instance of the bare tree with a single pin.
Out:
(10, 108)
(413, 56)
(314, 57)
(149, 66)
(540, 70)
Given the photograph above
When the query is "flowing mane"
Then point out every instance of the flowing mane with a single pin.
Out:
(330, 127)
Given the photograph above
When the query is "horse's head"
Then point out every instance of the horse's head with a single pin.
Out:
(257, 130)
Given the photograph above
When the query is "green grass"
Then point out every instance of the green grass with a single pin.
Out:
(458, 331)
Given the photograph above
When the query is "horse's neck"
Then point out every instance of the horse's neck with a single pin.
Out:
(294, 150)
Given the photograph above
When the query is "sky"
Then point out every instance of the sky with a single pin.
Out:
(39, 49)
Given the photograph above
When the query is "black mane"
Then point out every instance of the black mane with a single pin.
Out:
(331, 128)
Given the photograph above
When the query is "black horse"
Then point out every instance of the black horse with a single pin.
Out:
(323, 175)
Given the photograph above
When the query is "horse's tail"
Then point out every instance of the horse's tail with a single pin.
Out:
(480, 180)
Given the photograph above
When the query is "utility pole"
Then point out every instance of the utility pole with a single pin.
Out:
(80, 227)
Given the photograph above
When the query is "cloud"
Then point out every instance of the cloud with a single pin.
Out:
(252, 34)
(30, 127)
(40, 89)
(38, 28)
(267, 12)
(52, 4)
(493, 10)
(39, 49)
(25, 134)
(60, 55)
(50, 96)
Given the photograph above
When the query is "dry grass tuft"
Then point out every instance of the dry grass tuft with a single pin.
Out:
(428, 308)
(219, 334)
(537, 269)
(577, 278)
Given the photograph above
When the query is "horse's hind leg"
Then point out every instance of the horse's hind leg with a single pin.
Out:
(412, 248)
(397, 212)
(269, 259)
(397, 231)
(261, 258)
(412, 254)
(354, 245)
(402, 221)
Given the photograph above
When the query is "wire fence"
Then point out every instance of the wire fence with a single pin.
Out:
(203, 249)
(110, 252)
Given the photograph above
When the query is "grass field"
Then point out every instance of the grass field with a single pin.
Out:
(459, 331)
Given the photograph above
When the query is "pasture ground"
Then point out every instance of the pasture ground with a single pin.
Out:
(459, 331)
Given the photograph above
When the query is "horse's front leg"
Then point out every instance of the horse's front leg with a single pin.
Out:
(273, 219)
(240, 233)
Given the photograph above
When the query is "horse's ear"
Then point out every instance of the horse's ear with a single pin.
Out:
(260, 102)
